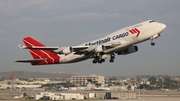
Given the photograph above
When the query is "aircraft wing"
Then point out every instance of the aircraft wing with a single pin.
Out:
(110, 45)
(76, 49)
(51, 47)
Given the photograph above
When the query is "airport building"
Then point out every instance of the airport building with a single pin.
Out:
(85, 80)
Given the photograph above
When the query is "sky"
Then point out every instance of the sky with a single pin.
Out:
(73, 22)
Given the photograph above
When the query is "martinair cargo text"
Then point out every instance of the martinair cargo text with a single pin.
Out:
(121, 42)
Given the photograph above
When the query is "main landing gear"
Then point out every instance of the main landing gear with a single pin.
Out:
(112, 58)
(98, 59)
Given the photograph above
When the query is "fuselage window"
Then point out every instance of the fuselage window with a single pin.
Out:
(151, 21)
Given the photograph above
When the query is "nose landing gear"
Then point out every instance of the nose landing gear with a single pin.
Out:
(152, 41)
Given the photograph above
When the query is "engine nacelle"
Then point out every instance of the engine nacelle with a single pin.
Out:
(99, 49)
(129, 50)
(67, 50)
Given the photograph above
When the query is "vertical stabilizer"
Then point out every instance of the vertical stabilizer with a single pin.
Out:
(50, 57)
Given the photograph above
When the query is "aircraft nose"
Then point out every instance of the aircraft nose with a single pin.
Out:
(160, 27)
(163, 26)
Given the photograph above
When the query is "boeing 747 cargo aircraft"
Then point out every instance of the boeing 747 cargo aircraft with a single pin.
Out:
(121, 42)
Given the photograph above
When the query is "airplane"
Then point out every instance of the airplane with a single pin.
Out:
(121, 42)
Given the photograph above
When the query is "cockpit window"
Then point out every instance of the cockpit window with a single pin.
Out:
(151, 21)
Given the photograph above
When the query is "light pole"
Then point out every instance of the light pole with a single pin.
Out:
(162, 85)
(139, 86)
(12, 84)
(178, 84)
(139, 90)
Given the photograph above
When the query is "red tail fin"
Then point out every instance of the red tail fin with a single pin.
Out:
(51, 58)
(36, 54)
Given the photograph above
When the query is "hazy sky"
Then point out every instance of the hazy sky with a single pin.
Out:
(72, 22)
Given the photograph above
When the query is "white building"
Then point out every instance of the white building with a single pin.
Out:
(58, 96)
(84, 80)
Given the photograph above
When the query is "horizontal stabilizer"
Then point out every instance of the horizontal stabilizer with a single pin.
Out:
(30, 61)
(37, 47)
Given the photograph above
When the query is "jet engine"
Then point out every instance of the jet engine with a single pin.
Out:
(99, 49)
(129, 50)
(67, 50)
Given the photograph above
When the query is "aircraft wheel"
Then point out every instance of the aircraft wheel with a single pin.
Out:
(111, 60)
(112, 57)
(94, 61)
(103, 60)
(152, 43)
(99, 61)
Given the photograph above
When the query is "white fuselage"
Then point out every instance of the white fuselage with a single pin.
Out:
(124, 37)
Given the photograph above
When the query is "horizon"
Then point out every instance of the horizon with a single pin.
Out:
(90, 74)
